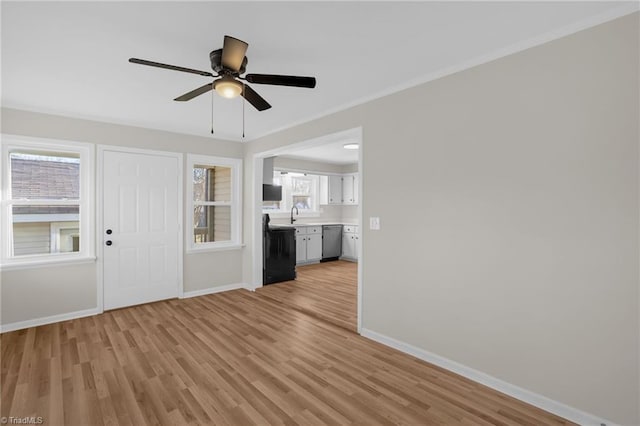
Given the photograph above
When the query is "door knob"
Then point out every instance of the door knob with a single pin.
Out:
(109, 231)
(109, 242)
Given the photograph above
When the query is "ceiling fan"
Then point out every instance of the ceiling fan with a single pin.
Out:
(229, 63)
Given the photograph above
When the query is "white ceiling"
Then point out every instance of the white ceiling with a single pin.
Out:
(331, 152)
(71, 58)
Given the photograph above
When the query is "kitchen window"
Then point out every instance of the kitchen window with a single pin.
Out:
(47, 201)
(214, 218)
(299, 190)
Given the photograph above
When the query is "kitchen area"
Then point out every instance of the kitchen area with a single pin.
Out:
(311, 231)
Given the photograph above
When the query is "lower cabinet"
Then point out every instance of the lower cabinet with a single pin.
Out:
(350, 242)
(308, 244)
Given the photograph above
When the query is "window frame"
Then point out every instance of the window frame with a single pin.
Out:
(287, 195)
(86, 215)
(235, 164)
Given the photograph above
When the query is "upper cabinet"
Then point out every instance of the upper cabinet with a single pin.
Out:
(339, 189)
(349, 191)
(356, 188)
(335, 189)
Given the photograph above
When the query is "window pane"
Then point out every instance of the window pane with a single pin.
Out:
(41, 177)
(211, 223)
(301, 186)
(45, 229)
(302, 202)
(211, 183)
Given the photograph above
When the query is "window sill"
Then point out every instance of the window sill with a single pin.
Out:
(195, 250)
(44, 263)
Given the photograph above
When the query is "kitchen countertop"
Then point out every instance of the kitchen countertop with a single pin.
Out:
(288, 225)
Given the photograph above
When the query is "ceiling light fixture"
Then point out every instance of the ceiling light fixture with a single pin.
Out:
(351, 146)
(228, 87)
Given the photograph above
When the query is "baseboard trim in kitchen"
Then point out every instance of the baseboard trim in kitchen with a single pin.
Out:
(213, 290)
(547, 404)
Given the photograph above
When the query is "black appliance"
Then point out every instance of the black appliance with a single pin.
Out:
(271, 192)
(279, 253)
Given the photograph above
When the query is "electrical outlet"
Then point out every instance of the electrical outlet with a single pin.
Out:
(374, 223)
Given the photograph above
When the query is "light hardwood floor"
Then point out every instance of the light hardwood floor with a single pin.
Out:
(327, 291)
(233, 358)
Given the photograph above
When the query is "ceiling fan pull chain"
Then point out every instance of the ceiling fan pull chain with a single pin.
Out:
(243, 102)
(212, 96)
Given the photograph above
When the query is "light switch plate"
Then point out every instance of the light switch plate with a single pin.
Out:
(374, 223)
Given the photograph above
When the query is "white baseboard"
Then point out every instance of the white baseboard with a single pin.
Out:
(529, 397)
(4, 328)
(212, 290)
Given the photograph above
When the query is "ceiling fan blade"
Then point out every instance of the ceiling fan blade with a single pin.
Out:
(169, 67)
(197, 92)
(254, 99)
(282, 80)
(233, 52)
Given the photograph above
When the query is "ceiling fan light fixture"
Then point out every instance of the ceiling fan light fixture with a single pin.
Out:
(228, 87)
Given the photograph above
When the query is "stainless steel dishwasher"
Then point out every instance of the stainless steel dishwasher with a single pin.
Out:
(331, 242)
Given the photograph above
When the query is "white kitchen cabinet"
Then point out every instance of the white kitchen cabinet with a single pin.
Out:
(350, 242)
(324, 190)
(308, 244)
(356, 189)
(314, 247)
(335, 189)
(339, 189)
(349, 189)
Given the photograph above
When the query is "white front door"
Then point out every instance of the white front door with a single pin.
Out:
(141, 229)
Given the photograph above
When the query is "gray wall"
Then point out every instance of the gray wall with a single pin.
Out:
(64, 289)
(508, 196)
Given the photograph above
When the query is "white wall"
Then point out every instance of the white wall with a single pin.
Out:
(508, 196)
(311, 166)
(64, 289)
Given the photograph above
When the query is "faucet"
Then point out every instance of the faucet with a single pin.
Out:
(297, 212)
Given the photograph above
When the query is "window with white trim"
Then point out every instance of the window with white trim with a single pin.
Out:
(214, 218)
(299, 190)
(47, 204)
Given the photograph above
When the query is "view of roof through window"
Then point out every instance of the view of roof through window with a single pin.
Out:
(44, 177)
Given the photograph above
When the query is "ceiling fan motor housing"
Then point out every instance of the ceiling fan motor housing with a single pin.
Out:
(216, 64)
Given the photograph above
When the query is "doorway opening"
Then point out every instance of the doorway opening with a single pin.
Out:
(321, 192)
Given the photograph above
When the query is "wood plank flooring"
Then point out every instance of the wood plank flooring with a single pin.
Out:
(327, 291)
(233, 358)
